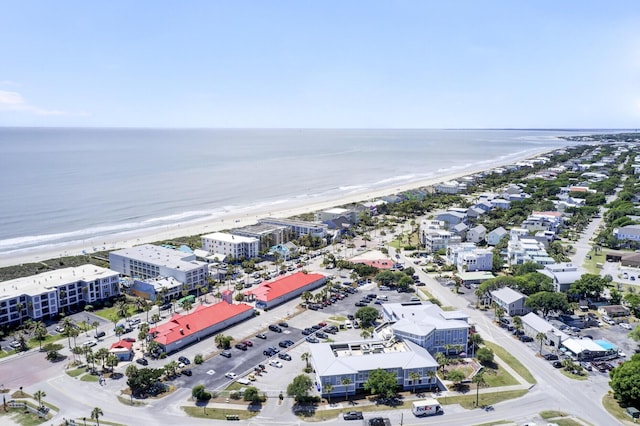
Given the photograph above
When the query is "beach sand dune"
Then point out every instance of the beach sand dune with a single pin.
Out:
(231, 220)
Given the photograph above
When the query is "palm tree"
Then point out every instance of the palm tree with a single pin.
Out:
(327, 388)
(96, 413)
(147, 308)
(541, 337)
(476, 340)
(346, 382)
(112, 361)
(122, 309)
(39, 395)
(40, 332)
(517, 322)
(187, 305)
(479, 380)
(95, 325)
(73, 332)
(101, 355)
(219, 340)
(20, 308)
(414, 377)
(305, 357)
(139, 304)
(365, 333)
(306, 296)
(431, 374)
(441, 359)
(67, 325)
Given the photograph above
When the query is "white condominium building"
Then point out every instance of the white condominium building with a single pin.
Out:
(45, 295)
(236, 246)
(150, 261)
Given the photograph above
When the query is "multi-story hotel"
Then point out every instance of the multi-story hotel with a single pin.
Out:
(235, 246)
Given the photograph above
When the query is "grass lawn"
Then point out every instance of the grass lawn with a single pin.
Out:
(4, 353)
(34, 343)
(498, 377)
(566, 422)
(17, 415)
(590, 264)
(573, 376)
(217, 413)
(337, 318)
(468, 401)
(612, 406)
(127, 401)
(112, 312)
(76, 372)
(550, 414)
(512, 362)
(89, 378)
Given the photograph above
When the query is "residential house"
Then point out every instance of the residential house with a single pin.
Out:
(495, 236)
(451, 218)
(562, 275)
(451, 187)
(501, 203)
(512, 301)
(614, 311)
(476, 234)
(334, 213)
(460, 230)
(629, 232)
(467, 257)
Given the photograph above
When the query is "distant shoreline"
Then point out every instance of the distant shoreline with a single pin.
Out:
(236, 220)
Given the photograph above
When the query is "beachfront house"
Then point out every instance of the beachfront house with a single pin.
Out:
(327, 215)
(267, 234)
(236, 246)
(450, 187)
(44, 296)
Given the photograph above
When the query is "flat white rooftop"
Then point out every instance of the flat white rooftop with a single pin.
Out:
(160, 256)
(48, 281)
(229, 238)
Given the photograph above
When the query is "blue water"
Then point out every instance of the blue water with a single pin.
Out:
(60, 185)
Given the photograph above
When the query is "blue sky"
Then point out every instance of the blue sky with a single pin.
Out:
(321, 64)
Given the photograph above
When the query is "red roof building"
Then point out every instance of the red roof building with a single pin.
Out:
(182, 330)
(272, 293)
(123, 350)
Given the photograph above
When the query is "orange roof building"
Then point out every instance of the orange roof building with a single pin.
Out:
(377, 263)
(272, 293)
(123, 350)
(182, 330)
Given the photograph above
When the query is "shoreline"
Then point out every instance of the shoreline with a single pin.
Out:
(237, 220)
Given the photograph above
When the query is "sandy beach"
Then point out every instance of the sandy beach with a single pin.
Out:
(231, 220)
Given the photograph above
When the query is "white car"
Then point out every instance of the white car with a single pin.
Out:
(90, 343)
(181, 365)
(625, 325)
(231, 375)
(275, 363)
(621, 353)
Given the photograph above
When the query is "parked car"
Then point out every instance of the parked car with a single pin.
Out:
(231, 375)
(268, 352)
(100, 334)
(307, 331)
(556, 364)
(551, 357)
(248, 342)
(286, 357)
(625, 325)
(283, 324)
(225, 354)
(312, 339)
(184, 360)
(275, 363)
(261, 336)
(241, 346)
(321, 335)
(525, 338)
(586, 366)
(187, 372)
(142, 361)
(352, 415)
(275, 328)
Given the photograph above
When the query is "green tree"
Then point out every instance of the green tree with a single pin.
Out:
(635, 333)
(381, 382)
(541, 337)
(200, 393)
(112, 361)
(517, 322)
(588, 286)
(625, 381)
(101, 355)
(122, 309)
(38, 395)
(367, 315)
(456, 376)
(442, 360)
(485, 355)
(40, 332)
(346, 382)
(67, 326)
(327, 388)
(252, 394)
(305, 357)
(142, 380)
(499, 312)
(414, 377)
(480, 381)
(546, 301)
(96, 413)
(300, 386)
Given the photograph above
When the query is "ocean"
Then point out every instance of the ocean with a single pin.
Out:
(61, 185)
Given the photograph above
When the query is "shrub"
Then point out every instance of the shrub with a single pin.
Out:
(198, 359)
(88, 308)
(200, 393)
(234, 395)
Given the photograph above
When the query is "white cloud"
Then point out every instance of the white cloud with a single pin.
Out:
(13, 101)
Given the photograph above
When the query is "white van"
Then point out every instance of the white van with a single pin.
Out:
(383, 297)
(348, 324)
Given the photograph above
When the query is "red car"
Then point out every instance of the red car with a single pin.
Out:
(322, 324)
(248, 342)
(129, 339)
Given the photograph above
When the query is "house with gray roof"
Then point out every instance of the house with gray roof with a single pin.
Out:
(451, 217)
(629, 232)
(428, 326)
(494, 237)
(562, 275)
(460, 230)
(512, 301)
(476, 234)
(335, 362)
(532, 324)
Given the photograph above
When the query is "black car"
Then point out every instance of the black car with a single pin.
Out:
(321, 335)
(351, 317)
(359, 304)
(275, 328)
(187, 372)
(142, 361)
(307, 331)
(165, 307)
(551, 357)
(268, 352)
(525, 339)
(241, 346)
(225, 354)
(331, 330)
(352, 415)
(379, 421)
(286, 357)
(283, 344)
(556, 364)
(261, 336)
(283, 324)
(316, 327)
(184, 360)
(312, 339)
